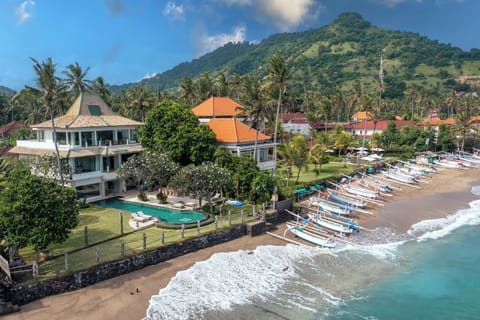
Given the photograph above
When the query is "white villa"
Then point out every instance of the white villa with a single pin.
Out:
(221, 115)
(95, 141)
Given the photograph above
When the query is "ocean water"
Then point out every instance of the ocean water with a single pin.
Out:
(431, 272)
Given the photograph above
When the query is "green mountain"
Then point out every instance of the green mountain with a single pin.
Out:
(6, 91)
(339, 54)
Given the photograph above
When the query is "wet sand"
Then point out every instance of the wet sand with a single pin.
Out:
(447, 191)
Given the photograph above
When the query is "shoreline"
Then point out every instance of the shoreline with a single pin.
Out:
(117, 298)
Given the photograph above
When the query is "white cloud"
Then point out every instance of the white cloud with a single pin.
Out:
(21, 11)
(148, 76)
(393, 3)
(284, 14)
(174, 10)
(209, 43)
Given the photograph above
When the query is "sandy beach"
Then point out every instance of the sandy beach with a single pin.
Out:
(445, 192)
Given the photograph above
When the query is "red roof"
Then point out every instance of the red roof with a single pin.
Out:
(383, 124)
(11, 127)
(232, 130)
(218, 107)
(295, 117)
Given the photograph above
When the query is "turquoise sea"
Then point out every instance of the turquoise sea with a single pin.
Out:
(430, 272)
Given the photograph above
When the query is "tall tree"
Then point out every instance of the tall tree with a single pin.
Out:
(76, 79)
(277, 69)
(202, 181)
(467, 107)
(140, 101)
(173, 129)
(187, 91)
(45, 213)
(254, 108)
(100, 87)
(48, 84)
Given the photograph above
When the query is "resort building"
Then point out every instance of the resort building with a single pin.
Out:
(217, 108)
(94, 140)
(362, 116)
(367, 128)
(295, 123)
(219, 113)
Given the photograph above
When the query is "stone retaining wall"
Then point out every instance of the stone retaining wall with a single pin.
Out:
(25, 294)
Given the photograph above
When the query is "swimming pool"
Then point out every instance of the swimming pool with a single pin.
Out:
(164, 214)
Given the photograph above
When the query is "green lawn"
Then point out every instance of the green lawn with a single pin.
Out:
(327, 171)
(104, 224)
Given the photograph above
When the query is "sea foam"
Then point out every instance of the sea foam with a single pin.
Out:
(438, 228)
(226, 279)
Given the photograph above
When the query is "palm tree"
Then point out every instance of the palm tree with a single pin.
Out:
(100, 87)
(221, 85)
(318, 150)
(295, 153)
(466, 109)
(76, 79)
(187, 91)
(235, 85)
(47, 83)
(278, 71)
(254, 108)
(140, 101)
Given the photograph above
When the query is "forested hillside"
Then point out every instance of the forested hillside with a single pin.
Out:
(338, 55)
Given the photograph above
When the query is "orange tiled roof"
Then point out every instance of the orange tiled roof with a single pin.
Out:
(362, 115)
(438, 121)
(234, 131)
(218, 107)
(475, 119)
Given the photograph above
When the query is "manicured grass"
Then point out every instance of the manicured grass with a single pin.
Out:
(327, 171)
(104, 224)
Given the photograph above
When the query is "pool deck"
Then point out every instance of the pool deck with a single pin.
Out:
(174, 203)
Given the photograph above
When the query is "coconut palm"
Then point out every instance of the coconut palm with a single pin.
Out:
(295, 153)
(140, 101)
(278, 71)
(187, 90)
(76, 79)
(48, 84)
(100, 87)
(318, 150)
(467, 107)
(254, 108)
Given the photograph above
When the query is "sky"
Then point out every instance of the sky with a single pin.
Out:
(127, 40)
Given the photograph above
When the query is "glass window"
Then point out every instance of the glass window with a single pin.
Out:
(105, 137)
(94, 110)
(74, 138)
(85, 164)
(133, 135)
(91, 190)
(61, 138)
(41, 135)
(122, 136)
(87, 138)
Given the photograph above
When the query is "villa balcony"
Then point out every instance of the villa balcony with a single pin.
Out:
(266, 165)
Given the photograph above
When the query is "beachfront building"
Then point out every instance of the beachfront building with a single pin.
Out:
(295, 123)
(217, 108)
(95, 141)
(221, 115)
(365, 129)
(362, 116)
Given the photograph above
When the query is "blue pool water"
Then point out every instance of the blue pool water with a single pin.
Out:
(164, 214)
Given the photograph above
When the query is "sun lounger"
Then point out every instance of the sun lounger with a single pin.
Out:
(178, 205)
(138, 218)
(145, 216)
